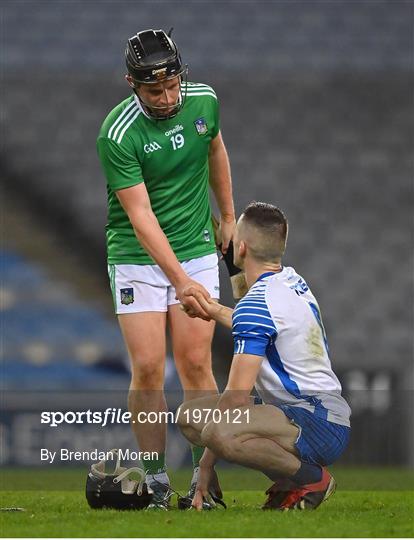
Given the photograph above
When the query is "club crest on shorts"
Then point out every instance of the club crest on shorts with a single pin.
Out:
(201, 126)
(127, 296)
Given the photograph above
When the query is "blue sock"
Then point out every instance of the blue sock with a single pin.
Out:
(307, 474)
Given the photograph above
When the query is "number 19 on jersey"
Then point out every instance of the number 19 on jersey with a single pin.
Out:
(177, 141)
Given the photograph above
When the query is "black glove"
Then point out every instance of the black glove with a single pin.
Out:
(237, 277)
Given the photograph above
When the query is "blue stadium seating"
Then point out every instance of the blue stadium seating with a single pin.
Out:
(295, 36)
(316, 111)
(51, 340)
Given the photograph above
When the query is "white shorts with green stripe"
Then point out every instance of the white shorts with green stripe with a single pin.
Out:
(137, 288)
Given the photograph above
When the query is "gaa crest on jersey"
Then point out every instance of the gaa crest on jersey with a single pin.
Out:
(201, 126)
(127, 296)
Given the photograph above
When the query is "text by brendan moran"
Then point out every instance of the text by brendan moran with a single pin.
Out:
(64, 454)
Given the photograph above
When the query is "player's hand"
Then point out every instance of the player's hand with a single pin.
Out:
(201, 492)
(210, 306)
(227, 227)
(186, 292)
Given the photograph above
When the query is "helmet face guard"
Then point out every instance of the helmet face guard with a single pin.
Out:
(164, 112)
(152, 57)
(116, 489)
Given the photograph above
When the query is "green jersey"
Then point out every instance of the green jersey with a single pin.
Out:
(171, 158)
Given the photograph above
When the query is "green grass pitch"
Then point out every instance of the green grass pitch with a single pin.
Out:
(368, 502)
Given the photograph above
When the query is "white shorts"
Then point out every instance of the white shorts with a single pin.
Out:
(145, 287)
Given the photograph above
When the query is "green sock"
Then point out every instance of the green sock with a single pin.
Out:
(197, 452)
(154, 466)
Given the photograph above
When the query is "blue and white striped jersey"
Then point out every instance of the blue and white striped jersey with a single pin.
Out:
(279, 319)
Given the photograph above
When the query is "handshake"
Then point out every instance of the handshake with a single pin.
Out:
(208, 309)
(196, 302)
(205, 308)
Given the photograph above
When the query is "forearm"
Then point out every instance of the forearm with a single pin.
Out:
(220, 181)
(223, 315)
(232, 399)
(153, 240)
(208, 459)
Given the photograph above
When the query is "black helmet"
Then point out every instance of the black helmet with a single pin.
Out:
(117, 489)
(151, 57)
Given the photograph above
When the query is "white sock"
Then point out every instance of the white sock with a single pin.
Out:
(195, 475)
(155, 478)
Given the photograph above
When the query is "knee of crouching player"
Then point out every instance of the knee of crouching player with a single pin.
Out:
(216, 437)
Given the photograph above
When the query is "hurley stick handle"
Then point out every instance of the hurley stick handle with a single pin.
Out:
(237, 277)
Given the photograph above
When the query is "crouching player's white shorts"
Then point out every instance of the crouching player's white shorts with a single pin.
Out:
(137, 288)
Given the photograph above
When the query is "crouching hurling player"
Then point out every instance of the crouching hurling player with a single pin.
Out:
(280, 347)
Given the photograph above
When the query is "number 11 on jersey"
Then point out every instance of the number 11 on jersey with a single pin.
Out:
(177, 141)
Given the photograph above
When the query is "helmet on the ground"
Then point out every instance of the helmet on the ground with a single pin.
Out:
(152, 57)
(117, 489)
